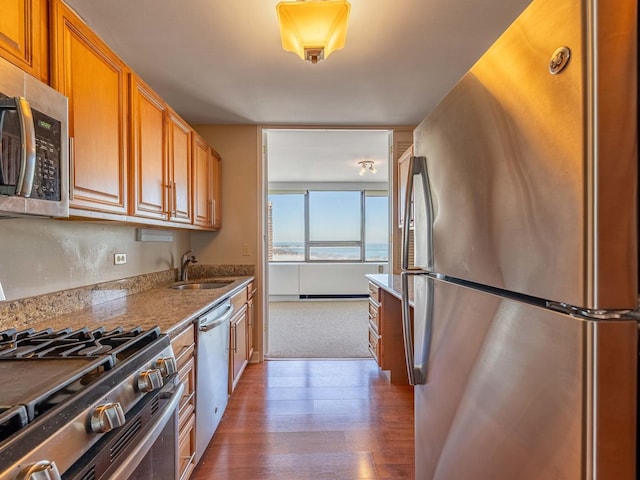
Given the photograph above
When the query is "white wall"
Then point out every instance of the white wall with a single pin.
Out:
(291, 280)
(40, 256)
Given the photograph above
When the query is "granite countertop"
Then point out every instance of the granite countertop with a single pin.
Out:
(392, 284)
(170, 309)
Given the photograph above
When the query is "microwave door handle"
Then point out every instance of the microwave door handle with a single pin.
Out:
(28, 136)
(28, 132)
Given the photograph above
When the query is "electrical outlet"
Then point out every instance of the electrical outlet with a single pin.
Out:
(380, 268)
(245, 250)
(119, 258)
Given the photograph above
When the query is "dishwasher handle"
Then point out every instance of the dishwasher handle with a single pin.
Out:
(211, 323)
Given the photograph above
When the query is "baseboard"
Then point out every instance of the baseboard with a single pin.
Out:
(332, 296)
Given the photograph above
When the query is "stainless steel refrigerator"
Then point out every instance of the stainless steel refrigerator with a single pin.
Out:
(524, 345)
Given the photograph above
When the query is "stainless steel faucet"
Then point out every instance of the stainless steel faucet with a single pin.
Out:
(187, 258)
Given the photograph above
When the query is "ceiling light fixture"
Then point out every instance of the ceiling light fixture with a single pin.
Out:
(366, 165)
(313, 29)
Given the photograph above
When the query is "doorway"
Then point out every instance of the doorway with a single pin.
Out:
(326, 225)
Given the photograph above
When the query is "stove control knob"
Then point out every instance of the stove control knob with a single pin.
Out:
(149, 380)
(43, 470)
(107, 417)
(167, 366)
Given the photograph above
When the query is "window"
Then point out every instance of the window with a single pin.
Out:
(335, 226)
(376, 227)
(286, 227)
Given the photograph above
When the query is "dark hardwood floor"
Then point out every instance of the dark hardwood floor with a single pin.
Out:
(313, 419)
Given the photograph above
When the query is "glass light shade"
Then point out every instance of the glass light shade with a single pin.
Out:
(313, 29)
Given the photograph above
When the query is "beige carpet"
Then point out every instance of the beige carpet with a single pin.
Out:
(318, 329)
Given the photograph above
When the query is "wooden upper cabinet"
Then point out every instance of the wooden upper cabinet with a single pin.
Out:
(179, 169)
(202, 182)
(149, 192)
(84, 69)
(206, 185)
(23, 35)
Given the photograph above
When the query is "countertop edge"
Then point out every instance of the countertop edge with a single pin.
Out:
(391, 283)
(179, 326)
(169, 309)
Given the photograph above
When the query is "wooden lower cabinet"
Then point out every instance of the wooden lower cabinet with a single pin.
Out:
(183, 345)
(238, 347)
(386, 342)
(238, 343)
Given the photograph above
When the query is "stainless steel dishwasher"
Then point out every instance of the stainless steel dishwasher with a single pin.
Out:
(212, 372)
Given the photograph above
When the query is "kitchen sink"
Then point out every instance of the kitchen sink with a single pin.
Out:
(202, 285)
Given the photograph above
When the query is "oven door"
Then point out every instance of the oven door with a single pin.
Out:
(145, 447)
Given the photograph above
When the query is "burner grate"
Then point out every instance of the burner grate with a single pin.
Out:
(70, 343)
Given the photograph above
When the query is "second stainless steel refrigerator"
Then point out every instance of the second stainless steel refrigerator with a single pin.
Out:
(524, 347)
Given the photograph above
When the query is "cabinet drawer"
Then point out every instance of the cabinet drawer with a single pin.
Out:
(250, 291)
(183, 346)
(187, 448)
(374, 292)
(374, 316)
(239, 300)
(188, 401)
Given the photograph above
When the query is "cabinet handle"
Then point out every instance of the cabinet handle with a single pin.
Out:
(211, 216)
(213, 212)
(72, 163)
(167, 190)
(175, 200)
(235, 339)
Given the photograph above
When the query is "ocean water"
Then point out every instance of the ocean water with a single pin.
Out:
(284, 252)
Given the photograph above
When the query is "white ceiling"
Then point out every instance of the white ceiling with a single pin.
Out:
(326, 155)
(220, 61)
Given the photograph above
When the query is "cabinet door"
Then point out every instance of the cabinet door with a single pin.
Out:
(179, 169)
(217, 190)
(23, 35)
(238, 347)
(202, 182)
(149, 185)
(95, 80)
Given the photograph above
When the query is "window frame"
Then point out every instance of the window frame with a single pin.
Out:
(309, 244)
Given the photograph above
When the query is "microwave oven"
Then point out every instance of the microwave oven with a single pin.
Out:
(34, 156)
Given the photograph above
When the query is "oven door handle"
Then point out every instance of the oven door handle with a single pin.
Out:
(128, 466)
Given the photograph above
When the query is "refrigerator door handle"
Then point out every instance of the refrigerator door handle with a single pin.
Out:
(416, 355)
(417, 166)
